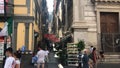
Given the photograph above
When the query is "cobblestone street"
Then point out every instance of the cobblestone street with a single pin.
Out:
(26, 62)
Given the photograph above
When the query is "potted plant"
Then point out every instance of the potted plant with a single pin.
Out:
(81, 45)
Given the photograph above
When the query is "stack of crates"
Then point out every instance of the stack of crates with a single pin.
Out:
(72, 52)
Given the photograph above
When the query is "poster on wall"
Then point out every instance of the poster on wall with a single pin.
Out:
(2, 49)
(1, 6)
(2, 46)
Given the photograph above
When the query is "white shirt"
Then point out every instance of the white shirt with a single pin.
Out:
(91, 49)
(17, 62)
(46, 53)
(10, 62)
(41, 56)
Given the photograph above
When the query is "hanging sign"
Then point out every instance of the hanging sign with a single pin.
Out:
(1, 6)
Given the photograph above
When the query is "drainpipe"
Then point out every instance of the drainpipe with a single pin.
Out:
(66, 16)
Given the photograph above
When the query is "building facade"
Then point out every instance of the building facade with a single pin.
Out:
(94, 21)
(29, 17)
(41, 19)
(62, 17)
(97, 22)
(84, 22)
(23, 25)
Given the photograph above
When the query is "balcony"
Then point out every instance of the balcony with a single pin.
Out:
(9, 8)
(110, 42)
(9, 2)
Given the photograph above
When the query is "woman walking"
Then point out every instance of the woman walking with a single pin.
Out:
(17, 60)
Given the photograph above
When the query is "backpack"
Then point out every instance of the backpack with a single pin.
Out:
(34, 59)
(91, 56)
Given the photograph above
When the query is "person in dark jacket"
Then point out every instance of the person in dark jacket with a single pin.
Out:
(85, 59)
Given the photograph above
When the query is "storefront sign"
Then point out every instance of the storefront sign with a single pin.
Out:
(1, 6)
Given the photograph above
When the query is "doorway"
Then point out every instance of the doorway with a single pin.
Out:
(110, 36)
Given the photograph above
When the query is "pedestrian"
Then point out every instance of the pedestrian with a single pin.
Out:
(91, 49)
(34, 59)
(10, 61)
(85, 59)
(102, 57)
(46, 55)
(79, 59)
(17, 60)
(41, 58)
(94, 57)
(19, 52)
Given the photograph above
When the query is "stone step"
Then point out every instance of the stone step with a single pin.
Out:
(111, 59)
(112, 56)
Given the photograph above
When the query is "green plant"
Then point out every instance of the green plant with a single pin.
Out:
(81, 45)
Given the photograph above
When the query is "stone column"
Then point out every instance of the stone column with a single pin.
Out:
(79, 24)
(14, 36)
(27, 35)
(78, 10)
(81, 10)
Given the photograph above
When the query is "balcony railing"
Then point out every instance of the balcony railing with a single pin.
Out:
(9, 10)
(108, 0)
(9, 2)
(110, 42)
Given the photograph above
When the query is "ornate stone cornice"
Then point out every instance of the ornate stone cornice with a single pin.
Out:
(107, 0)
(80, 25)
(24, 19)
(107, 4)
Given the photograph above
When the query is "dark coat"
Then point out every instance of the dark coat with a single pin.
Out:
(85, 61)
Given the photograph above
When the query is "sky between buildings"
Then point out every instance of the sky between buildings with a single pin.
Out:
(50, 5)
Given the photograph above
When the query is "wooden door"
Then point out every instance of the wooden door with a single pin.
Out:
(109, 22)
(109, 31)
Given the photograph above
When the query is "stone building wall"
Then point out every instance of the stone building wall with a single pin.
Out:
(84, 22)
(90, 19)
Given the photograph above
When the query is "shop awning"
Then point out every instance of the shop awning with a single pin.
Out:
(2, 39)
(51, 37)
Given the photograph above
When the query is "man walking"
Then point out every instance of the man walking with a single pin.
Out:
(41, 58)
(10, 61)
(85, 59)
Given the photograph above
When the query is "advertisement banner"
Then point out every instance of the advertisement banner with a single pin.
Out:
(1, 6)
(2, 46)
(2, 49)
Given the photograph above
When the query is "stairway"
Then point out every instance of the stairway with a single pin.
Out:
(112, 59)
(53, 62)
(72, 52)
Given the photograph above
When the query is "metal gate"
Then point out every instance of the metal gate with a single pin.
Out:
(110, 42)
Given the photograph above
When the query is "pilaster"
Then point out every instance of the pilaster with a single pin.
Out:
(14, 37)
(27, 25)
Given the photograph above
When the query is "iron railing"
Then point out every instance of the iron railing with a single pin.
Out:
(110, 42)
(109, 0)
